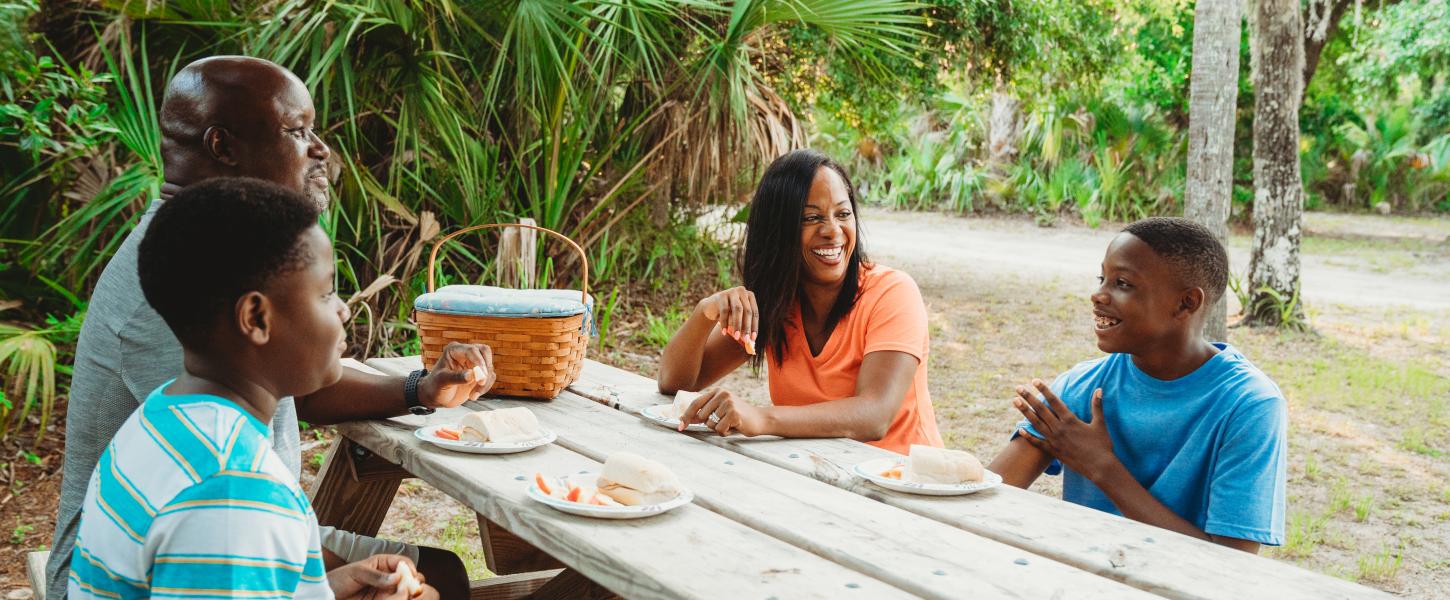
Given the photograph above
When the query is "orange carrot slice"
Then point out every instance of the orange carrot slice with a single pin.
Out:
(448, 434)
(573, 495)
(543, 487)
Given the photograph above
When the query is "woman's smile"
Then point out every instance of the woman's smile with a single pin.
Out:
(829, 254)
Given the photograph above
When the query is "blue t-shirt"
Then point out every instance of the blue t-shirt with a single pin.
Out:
(1211, 445)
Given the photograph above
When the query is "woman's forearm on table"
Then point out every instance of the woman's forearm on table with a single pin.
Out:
(857, 418)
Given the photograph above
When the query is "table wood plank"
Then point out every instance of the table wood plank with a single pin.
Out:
(914, 553)
(1146, 557)
(686, 553)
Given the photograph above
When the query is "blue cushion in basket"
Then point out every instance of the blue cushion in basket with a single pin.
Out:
(503, 302)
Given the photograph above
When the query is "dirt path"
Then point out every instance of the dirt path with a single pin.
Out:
(1352, 273)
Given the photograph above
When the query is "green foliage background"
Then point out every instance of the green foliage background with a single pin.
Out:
(620, 122)
(614, 122)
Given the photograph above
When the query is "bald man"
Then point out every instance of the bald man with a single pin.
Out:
(233, 116)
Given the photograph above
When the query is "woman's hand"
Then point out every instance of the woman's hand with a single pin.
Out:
(724, 412)
(736, 312)
(374, 578)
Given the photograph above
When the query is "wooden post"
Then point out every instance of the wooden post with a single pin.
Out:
(353, 490)
(516, 256)
(506, 554)
(570, 584)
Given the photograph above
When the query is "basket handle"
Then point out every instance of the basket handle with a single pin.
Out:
(583, 258)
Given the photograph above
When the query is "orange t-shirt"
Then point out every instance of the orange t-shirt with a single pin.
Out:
(889, 315)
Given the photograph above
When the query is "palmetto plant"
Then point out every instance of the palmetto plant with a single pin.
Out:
(442, 114)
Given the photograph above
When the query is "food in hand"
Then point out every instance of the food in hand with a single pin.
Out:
(478, 374)
(633, 480)
(506, 425)
(408, 582)
(682, 403)
(927, 464)
(745, 340)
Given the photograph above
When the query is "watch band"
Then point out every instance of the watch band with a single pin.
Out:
(410, 393)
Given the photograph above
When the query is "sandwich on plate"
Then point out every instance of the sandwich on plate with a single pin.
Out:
(928, 464)
(503, 426)
(633, 480)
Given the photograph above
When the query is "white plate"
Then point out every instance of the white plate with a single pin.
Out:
(871, 471)
(607, 512)
(653, 414)
(430, 434)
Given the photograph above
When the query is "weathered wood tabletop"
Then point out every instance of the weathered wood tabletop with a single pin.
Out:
(775, 518)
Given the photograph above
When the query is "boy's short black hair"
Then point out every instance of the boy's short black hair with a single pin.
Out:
(216, 240)
(1191, 248)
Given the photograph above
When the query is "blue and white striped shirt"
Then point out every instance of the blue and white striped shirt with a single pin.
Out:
(190, 501)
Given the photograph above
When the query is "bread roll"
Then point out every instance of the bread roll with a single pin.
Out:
(507, 425)
(928, 464)
(633, 480)
(407, 582)
(682, 403)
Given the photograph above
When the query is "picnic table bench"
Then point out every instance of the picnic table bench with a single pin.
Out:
(772, 518)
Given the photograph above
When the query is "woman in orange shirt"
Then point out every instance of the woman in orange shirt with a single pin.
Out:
(844, 340)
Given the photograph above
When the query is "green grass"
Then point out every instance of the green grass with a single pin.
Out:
(1381, 567)
(460, 536)
(1363, 507)
(1413, 440)
(1305, 532)
(1410, 395)
(1312, 470)
(1339, 497)
(659, 329)
(18, 535)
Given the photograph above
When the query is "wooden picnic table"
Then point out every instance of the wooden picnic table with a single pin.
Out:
(772, 518)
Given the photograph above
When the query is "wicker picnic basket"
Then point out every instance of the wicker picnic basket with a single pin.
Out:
(538, 337)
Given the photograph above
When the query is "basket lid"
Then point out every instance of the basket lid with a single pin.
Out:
(484, 300)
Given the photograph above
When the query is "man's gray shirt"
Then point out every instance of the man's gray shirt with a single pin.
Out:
(124, 352)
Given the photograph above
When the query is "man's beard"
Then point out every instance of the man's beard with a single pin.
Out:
(322, 197)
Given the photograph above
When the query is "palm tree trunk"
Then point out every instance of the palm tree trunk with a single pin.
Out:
(1278, 67)
(1212, 100)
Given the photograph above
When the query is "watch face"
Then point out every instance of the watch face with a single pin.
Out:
(420, 410)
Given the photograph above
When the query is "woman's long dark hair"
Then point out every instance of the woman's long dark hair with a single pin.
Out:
(772, 263)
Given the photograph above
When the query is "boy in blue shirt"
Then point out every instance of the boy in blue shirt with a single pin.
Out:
(1168, 429)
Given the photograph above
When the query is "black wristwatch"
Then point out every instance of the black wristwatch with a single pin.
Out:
(410, 393)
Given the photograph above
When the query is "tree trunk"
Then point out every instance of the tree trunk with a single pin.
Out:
(1212, 100)
(1004, 126)
(1321, 20)
(1278, 69)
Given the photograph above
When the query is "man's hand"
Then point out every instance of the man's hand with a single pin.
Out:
(374, 578)
(724, 412)
(1083, 447)
(464, 372)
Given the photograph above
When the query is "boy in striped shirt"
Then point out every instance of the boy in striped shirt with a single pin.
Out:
(189, 500)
